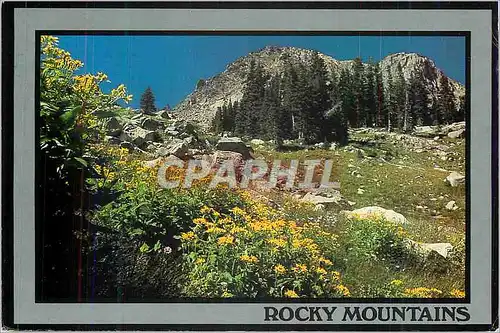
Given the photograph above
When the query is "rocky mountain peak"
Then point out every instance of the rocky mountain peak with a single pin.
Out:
(201, 105)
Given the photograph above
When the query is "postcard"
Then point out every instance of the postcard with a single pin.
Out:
(250, 166)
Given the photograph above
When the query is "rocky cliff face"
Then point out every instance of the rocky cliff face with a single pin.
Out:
(411, 62)
(201, 105)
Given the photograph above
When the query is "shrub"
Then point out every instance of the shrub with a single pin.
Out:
(121, 271)
(373, 239)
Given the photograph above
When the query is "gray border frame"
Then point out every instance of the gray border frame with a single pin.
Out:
(27, 21)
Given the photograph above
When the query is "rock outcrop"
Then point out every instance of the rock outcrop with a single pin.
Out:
(377, 212)
(455, 179)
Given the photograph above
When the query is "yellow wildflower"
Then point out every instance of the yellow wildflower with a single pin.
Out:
(396, 283)
(200, 220)
(457, 293)
(321, 270)
(199, 261)
(343, 290)
(325, 261)
(225, 220)
(215, 230)
(237, 229)
(291, 294)
(278, 242)
(205, 209)
(335, 276)
(249, 259)
(422, 292)
(279, 269)
(238, 211)
(225, 240)
(187, 235)
(300, 268)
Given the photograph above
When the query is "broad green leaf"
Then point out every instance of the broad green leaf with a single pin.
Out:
(69, 117)
(144, 248)
(81, 161)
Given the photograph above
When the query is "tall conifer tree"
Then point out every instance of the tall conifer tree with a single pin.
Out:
(148, 102)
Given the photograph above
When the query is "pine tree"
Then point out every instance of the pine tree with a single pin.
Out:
(250, 108)
(319, 100)
(445, 107)
(217, 122)
(357, 118)
(389, 102)
(400, 99)
(378, 93)
(369, 101)
(303, 102)
(271, 108)
(229, 116)
(419, 99)
(346, 96)
(408, 116)
(337, 124)
(290, 103)
(148, 102)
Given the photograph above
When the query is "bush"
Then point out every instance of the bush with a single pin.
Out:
(373, 239)
(121, 271)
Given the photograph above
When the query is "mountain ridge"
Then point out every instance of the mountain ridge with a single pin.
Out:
(201, 105)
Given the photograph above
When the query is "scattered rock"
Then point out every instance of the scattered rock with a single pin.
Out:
(152, 163)
(257, 142)
(428, 250)
(178, 149)
(375, 211)
(173, 133)
(234, 144)
(451, 205)
(455, 179)
(361, 191)
(113, 140)
(113, 127)
(319, 207)
(321, 200)
(453, 127)
(127, 145)
(151, 124)
(457, 134)
(426, 131)
(164, 114)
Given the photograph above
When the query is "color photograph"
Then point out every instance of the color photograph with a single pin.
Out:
(251, 167)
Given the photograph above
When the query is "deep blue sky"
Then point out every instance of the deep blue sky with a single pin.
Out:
(172, 65)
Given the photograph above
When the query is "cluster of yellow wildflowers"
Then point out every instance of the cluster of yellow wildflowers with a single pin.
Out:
(130, 171)
(291, 294)
(396, 283)
(457, 293)
(257, 241)
(422, 292)
(58, 68)
(399, 290)
(56, 58)
(249, 259)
